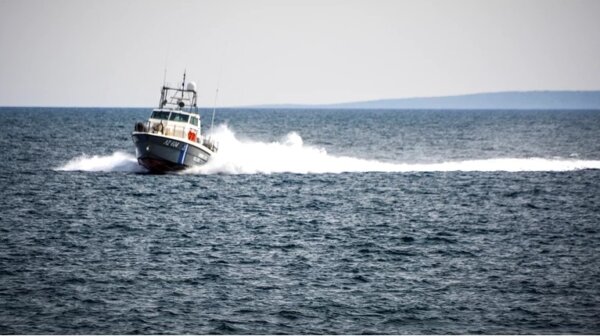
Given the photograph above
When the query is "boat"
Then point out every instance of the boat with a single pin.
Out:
(171, 139)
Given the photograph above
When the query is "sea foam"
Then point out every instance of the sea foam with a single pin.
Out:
(116, 162)
(291, 155)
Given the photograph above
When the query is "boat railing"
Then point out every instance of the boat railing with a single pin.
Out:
(209, 143)
(175, 131)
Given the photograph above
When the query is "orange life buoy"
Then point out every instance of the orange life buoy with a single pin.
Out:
(192, 135)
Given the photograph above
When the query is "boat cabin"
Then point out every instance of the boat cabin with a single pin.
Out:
(176, 123)
(177, 113)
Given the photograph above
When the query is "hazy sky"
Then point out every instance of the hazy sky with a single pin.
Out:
(113, 53)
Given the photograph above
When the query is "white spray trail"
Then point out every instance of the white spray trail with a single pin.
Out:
(291, 155)
(116, 162)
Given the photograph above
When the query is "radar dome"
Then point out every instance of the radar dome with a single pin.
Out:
(191, 86)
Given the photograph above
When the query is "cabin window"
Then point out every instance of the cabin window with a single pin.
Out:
(179, 117)
(164, 115)
(194, 121)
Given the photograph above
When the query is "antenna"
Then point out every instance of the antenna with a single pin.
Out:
(183, 83)
(166, 63)
(212, 121)
(163, 94)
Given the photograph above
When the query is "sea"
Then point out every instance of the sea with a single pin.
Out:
(306, 221)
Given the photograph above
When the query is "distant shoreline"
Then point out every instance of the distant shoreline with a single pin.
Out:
(509, 100)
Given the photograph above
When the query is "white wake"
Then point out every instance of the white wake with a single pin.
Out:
(291, 155)
(116, 162)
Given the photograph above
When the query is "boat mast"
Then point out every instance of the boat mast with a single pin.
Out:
(212, 121)
(183, 84)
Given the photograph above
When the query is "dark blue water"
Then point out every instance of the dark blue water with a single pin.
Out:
(309, 222)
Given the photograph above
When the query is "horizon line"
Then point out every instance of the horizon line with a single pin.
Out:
(319, 105)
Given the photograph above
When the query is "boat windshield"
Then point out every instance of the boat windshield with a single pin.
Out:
(164, 115)
(194, 121)
(179, 117)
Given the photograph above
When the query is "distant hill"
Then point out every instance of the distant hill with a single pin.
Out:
(529, 100)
